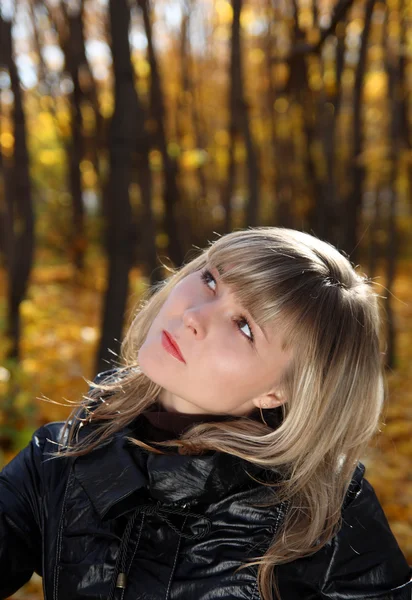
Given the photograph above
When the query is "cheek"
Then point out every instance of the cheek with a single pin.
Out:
(150, 353)
(153, 364)
(145, 358)
(229, 368)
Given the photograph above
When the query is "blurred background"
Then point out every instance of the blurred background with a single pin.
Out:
(132, 132)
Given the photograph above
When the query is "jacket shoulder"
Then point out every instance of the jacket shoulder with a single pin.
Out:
(49, 436)
(363, 560)
(23, 486)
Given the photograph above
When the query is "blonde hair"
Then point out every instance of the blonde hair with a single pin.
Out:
(329, 317)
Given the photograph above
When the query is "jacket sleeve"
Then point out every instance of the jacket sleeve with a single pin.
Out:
(20, 517)
(364, 559)
(362, 562)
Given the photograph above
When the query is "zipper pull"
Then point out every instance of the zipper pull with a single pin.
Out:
(121, 581)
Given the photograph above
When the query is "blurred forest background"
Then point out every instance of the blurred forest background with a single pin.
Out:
(132, 132)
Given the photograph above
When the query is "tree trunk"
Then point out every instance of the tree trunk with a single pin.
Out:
(239, 127)
(373, 248)
(122, 143)
(147, 227)
(229, 186)
(170, 190)
(393, 69)
(187, 103)
(20, 204)
(354, 203)
(315, 13)
(329, 219)
(298, 88)
(340, 12)
(6, 203)
(239, 106)
(3, 197)
(68, 22)
(277, 174)
(405, 126)
(73, 54)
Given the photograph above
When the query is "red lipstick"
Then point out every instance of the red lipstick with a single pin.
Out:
(170, 345)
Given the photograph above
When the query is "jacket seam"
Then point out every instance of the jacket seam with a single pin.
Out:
(134, 551)
(279, 517)
(43, 544)
(60, 535)
(174, 562)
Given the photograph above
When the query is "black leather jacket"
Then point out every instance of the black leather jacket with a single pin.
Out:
(177, 526)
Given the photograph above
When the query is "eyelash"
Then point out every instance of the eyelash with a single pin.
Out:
(205, 275)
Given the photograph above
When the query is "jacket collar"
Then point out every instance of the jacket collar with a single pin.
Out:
(115, 474)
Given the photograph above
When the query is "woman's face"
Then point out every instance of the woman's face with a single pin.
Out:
(230, 365)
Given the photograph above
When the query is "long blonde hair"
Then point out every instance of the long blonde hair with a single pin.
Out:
(329, 317)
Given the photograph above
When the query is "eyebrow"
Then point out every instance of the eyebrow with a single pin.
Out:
(220, 271)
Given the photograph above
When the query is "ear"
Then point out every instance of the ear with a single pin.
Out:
(270, 400)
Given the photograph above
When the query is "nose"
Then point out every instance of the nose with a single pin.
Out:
(197, 319)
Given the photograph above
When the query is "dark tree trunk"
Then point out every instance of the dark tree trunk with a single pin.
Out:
(39, 34)
(38, 46)
(315, 13)
(93, 143)
(7, 194)
(339, 14)
(20, 205)
(302, 48)
(270, 103)
(373, 249)
(170, 189)
(298, 87)
(3, 207)
(6, 207)
(229, 186)
(281, 150)
(391, 250)
(239, 128)
(147, 227)
(183, 113)
(330, 218)
(394, 71)
(187, 103)
(122, 143)
(239, 106)
(75, 155)
(68, 22)
(73, 48)
(352, 209)
(233, 127)
(405, 127)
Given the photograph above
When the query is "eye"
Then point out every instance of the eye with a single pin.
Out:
(207, 277)
(243, 322)
(240, 321)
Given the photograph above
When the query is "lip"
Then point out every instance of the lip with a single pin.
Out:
(170, 345)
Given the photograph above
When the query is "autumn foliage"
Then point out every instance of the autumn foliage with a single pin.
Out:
(121, 153)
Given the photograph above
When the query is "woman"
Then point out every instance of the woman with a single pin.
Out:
(222, 459)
